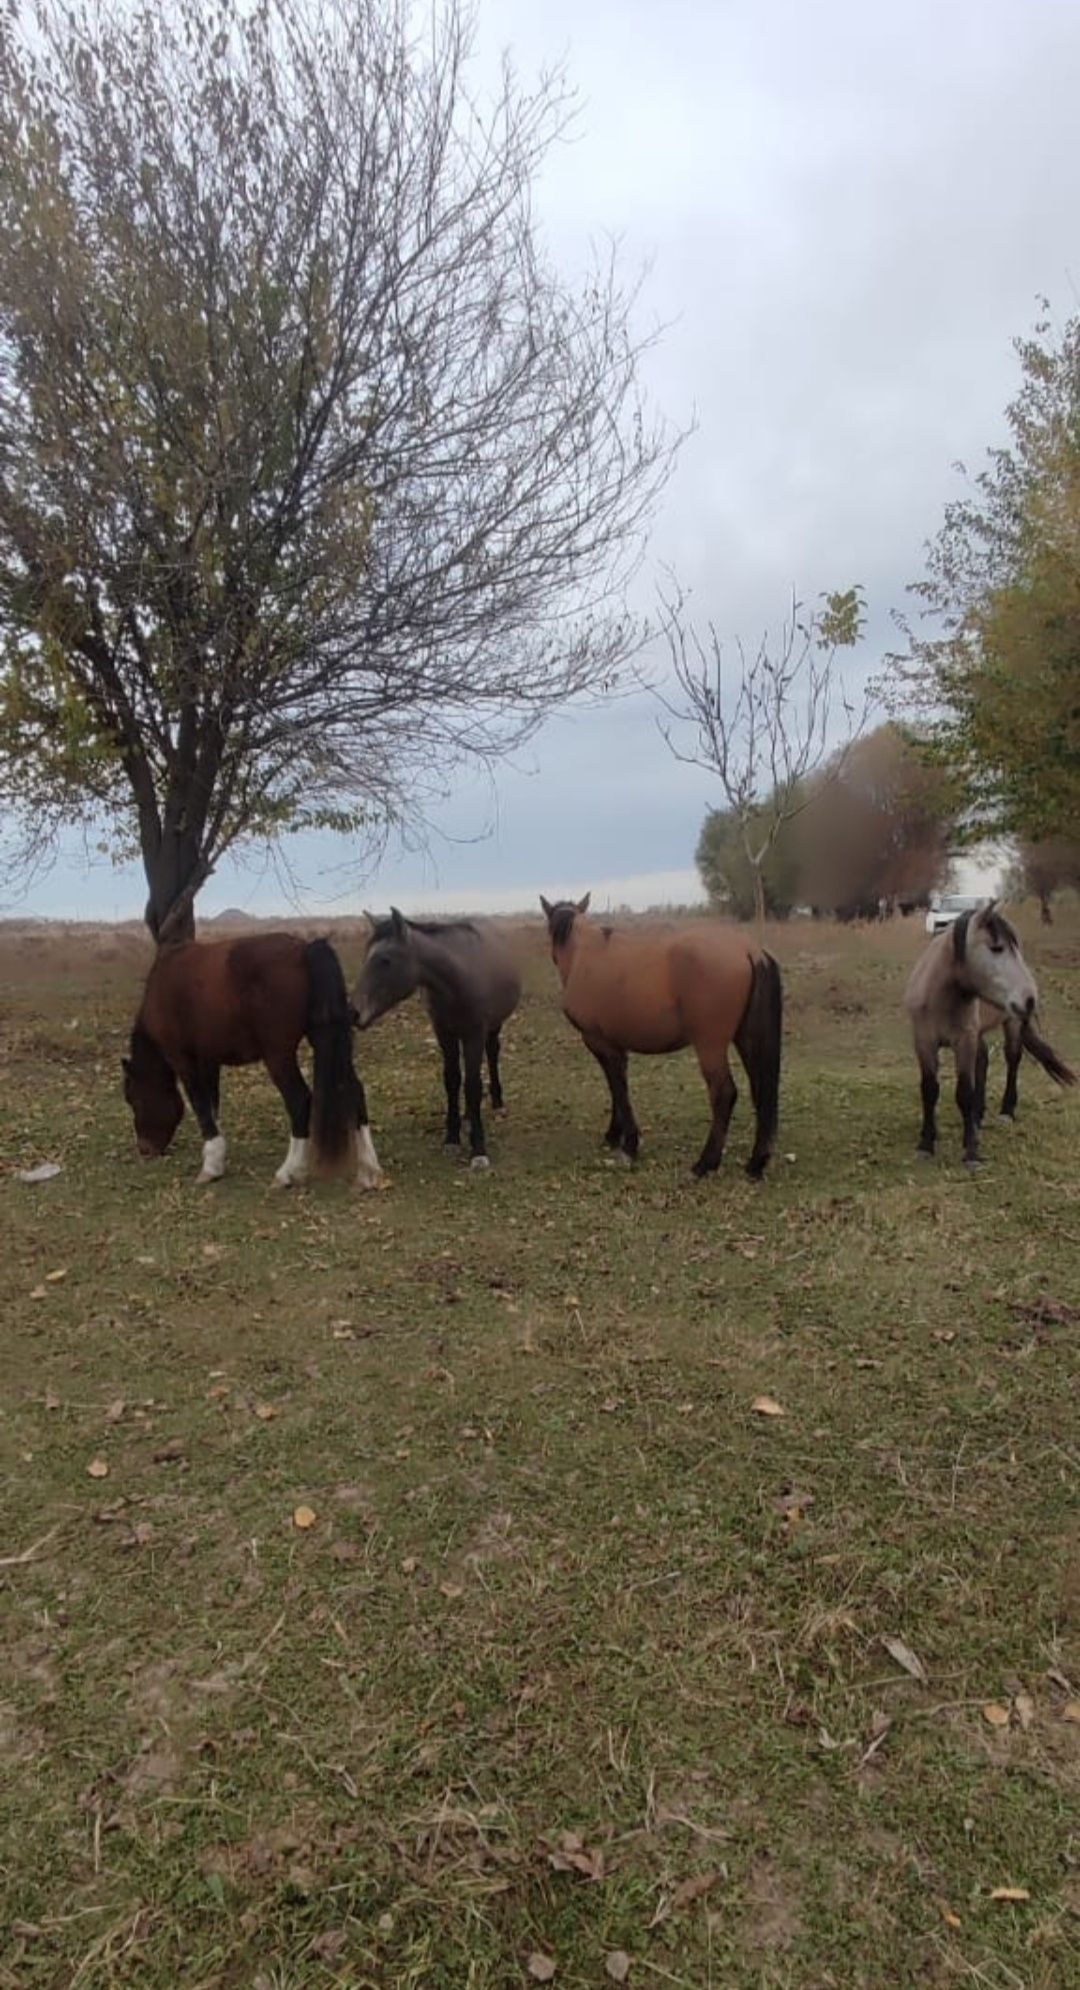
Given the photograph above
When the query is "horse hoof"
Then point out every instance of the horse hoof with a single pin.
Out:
(479, 1161)
(203, 1180)
(453, 1148)
(923, 1154)
(368, 1182)
(1007, 1118)
(973, 1161)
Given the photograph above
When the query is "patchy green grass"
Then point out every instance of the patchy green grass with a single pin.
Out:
(582, 1656)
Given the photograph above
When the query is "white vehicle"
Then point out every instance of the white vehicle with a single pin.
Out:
(947, 909)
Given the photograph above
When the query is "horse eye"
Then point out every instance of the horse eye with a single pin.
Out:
(997, 946)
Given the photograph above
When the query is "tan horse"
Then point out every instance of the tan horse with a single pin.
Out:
(703, 985)
(972, 979)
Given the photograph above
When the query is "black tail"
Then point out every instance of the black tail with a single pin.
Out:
(337, 1095)
(1054, 1066)
(758, 1039)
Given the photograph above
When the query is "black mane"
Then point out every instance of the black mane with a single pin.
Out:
(561, 922)
(383, 929)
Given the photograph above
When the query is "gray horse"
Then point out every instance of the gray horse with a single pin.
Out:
(971, 979)
(470, 984)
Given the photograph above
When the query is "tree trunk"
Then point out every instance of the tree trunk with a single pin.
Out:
(175, 874)
(759, 899)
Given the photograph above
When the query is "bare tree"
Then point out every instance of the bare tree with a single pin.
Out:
(766, 725)
(315, 476)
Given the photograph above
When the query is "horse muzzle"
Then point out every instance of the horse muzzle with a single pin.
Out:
(1024, 1010)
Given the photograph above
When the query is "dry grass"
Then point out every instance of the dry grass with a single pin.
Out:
(581, 1655)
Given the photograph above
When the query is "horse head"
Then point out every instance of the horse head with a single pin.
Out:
(560, 919)
(151, 1090)
(988, 950)
(391, 970)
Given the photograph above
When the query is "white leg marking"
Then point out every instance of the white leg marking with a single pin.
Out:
(480, 1161)
(368, 1171)
(213, 1159)
(295, 1165)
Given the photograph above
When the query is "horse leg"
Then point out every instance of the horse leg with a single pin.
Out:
(295, 1091)
(369, 1172)
(982, 1061)
(450, 1046)
(1014, 1050)
(622, 1131)
(966, 1060)
(931, 1091)
(494, 1046)
(203, 1090)
(473, 1046)
(722, 1096)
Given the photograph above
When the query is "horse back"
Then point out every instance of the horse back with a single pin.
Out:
(227, 1001)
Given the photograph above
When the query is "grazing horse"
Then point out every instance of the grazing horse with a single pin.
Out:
(703, 985)
(206, 1004)
(471, 985)
(972, 977)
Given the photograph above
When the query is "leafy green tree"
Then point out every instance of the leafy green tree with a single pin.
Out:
(728, 875)
(993, 671)
(315, 476)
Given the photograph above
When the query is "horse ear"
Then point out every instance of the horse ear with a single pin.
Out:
(583, 903)
(548, 909)
(125, 1063)
(959, 935)
(397, 922)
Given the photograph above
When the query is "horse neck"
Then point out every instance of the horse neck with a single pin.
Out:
(439, 972)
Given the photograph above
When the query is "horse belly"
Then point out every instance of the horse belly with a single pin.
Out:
(625, 1017)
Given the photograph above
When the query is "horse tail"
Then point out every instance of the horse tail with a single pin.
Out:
(337, 1095)
(1038, 1048)
(758, 1039)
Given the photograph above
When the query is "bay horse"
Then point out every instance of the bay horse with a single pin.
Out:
(703, 985)
(471, 985)
(209, 1003)
(971, 978)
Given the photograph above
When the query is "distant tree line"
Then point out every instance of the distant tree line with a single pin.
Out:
(874, 826)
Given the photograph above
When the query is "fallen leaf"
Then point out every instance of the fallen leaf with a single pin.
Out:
(905, 1658)
(693, 1889)
(52, 1400)
(115, 1410)
(98, 1468)
(39, 1292)
(265, 1411)
(410, 1565)
(541, 1967)
(1025, 1710)
(304, 1517)
(767, 1406)
(950, 1919)
(44, 1173)
(1010, 1893)
(451, 1590)
(1071, 1710)
(212, 1250)
(995, 1715)
(170, 1452)
(54, 1277)
(617, 1965)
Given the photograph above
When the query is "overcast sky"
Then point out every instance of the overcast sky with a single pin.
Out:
(850, 212)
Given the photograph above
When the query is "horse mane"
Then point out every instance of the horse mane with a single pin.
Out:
(561, 923)
(383, 929)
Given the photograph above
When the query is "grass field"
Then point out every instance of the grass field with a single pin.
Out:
(581, 1671)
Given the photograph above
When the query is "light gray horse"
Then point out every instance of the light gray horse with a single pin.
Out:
(470, 984)
(971, 979)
